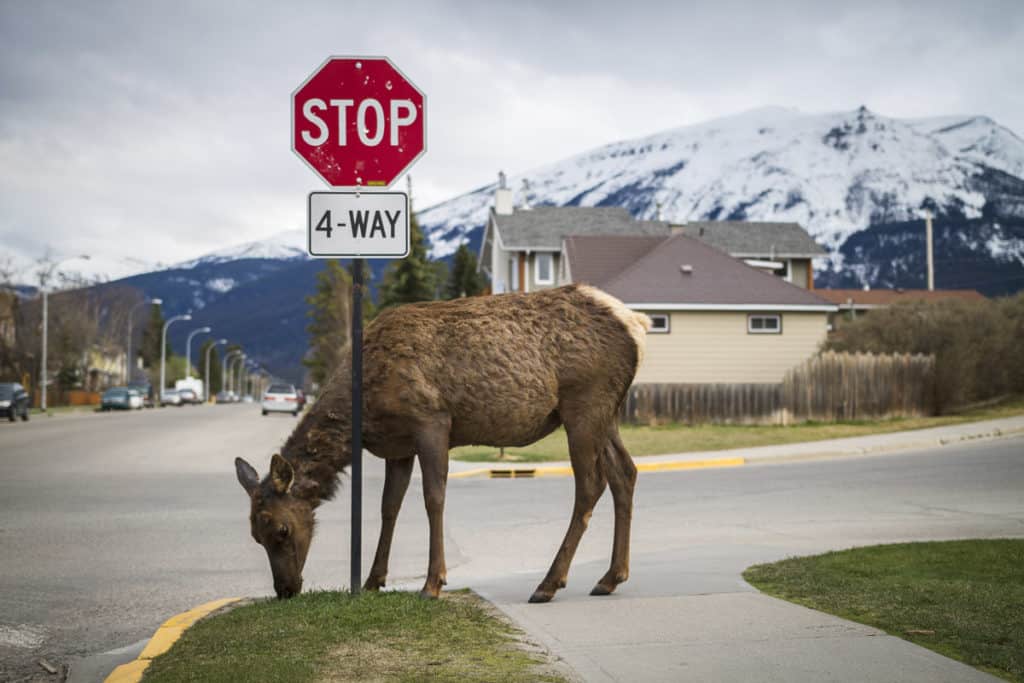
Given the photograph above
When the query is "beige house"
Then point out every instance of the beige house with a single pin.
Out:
(715, 318)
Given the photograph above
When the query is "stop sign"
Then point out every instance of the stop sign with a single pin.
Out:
(358, 122)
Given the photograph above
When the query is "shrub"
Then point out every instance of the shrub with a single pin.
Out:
(976, 344)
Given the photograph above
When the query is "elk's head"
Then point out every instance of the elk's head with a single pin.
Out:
(282, 520)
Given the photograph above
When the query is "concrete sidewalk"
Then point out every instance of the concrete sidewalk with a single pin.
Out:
(875, 444)
(688, 615)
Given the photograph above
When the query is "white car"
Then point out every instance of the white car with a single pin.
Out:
(280, 398)
(170, 397)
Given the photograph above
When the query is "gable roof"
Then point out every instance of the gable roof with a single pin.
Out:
(656, 278)
(544, 227)
(753, 238)
(887, 297)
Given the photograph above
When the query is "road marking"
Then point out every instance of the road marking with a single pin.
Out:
(163, 639)
(532, 473)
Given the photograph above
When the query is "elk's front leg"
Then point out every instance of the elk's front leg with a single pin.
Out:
(433, 454)
(396, 481)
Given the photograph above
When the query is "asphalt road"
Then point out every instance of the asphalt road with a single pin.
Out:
(111, 523)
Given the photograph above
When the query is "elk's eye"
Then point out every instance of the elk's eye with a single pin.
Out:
(283, 531)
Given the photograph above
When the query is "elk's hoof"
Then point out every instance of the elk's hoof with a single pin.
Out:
(373, 585)
(428, 594)
(541, 596)
(601, 589)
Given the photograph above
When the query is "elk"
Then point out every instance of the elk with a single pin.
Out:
(502, 370)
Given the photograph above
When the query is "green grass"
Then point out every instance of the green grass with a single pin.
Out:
(323, 636)
(963, 599)
(677, 438)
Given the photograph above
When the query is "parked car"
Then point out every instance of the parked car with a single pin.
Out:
(248, 399)
(120, 398)
(14, 401)
(145, 390)
(170, 397)
(224, 397)
(280, 398)
(189, 397)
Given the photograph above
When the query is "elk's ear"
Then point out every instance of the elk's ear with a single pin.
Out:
(247, 476)
(281, 473)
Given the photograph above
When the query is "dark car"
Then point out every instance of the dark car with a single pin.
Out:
(14, 401)
(120, 398)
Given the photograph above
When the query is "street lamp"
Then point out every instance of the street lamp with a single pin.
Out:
(236, 375)
(43, 380)
(224, 381)
(128, 352)
(207, 386)
(188, 349)
(163, 351)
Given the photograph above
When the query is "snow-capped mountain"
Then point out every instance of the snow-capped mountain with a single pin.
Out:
(856, 180)
(836, 174)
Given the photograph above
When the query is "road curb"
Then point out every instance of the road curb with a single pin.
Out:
(522, 472)
(163, 639)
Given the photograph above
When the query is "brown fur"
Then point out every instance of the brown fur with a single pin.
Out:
(501, 370)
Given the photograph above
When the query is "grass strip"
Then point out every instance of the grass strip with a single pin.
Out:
(962, 599)
(680, 438)
(330, 636)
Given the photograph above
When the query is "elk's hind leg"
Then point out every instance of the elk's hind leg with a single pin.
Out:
(620, 471)
(396, 481)
(432, 448)
(585, 442)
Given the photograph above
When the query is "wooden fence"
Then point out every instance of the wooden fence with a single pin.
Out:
(828, 387)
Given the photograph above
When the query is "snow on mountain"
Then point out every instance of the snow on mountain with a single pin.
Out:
(836, 174)
(287, 245)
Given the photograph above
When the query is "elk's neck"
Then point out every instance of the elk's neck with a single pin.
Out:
(320, 447)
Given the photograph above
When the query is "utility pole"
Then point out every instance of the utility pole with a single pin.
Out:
(931, 250)
(206, 385)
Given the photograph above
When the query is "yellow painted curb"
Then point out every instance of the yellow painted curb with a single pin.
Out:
(531, 473)
(163, 639)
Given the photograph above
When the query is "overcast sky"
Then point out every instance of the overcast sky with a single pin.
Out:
(160, 131)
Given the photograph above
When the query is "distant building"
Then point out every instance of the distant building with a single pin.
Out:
(852, 303)
(715, 319)
(7, 313)
(782, 249)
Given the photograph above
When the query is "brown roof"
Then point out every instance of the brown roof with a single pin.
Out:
(651, 272)
(887, 297)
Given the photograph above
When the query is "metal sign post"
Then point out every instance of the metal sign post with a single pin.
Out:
(357, 425)
(358, 123)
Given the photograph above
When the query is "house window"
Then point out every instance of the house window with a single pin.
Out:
(544, 270)
(764, 324)
(659, 323)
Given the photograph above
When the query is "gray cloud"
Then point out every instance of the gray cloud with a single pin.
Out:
(161, 131)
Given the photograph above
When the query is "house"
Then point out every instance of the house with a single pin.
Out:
(521, 246)
(715, 319)
(854, 302)
(783, 249)
(8, 301)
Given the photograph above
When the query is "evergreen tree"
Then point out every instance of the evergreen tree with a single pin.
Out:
(412, 278)
(464, 280)
(149, 349)
(329, 327)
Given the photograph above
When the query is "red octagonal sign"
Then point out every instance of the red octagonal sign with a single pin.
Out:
(358, 122)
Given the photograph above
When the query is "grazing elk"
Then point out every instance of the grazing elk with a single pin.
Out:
(500, 370)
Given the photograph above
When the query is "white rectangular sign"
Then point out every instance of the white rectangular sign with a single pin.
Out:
(358, 225)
